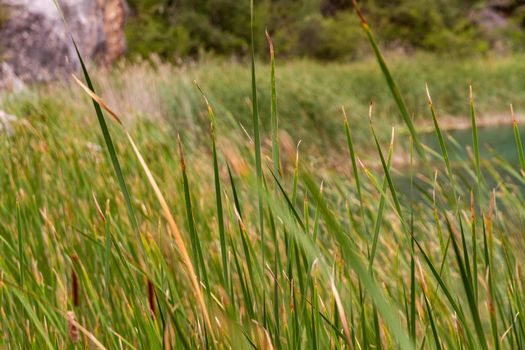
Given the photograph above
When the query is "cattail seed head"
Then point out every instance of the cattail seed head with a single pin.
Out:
(74, 282)
(151, 298)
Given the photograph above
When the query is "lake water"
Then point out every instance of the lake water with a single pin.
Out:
(495, 139)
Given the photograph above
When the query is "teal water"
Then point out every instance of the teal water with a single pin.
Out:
(492, 140)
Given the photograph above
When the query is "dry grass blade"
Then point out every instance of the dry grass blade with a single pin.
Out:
(174, 229)
(97, 99)
(342, 314)
(87, 333)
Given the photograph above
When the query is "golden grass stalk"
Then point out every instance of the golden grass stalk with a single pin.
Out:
(342, 314)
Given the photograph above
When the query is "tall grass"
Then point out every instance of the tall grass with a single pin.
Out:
(154, 241)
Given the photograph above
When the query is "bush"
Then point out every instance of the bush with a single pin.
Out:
(324, 29)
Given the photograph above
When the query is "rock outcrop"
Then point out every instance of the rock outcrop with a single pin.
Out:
(35, 45)
(6, 123)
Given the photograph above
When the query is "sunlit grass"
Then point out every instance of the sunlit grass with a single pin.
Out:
(125, 232)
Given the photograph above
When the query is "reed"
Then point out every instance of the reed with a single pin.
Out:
(240, 241)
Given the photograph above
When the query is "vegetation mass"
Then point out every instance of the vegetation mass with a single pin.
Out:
(324, 29)
(188, 229)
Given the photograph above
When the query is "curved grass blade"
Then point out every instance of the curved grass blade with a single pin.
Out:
(390, 82)
(109, 144)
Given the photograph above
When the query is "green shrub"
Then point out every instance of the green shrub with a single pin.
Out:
(322, 29)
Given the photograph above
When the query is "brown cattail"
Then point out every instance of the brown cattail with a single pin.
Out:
(72, 328)
(74, 281)
(151, 298)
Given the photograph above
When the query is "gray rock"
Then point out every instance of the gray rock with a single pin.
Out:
(6, 123)
(36, 45)
(9, 81)
(488, 19)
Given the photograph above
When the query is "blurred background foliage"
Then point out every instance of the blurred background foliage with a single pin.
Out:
(324, 29)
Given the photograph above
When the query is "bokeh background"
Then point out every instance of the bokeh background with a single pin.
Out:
(325, 29)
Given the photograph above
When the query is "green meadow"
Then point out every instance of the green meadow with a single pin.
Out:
(219, 204)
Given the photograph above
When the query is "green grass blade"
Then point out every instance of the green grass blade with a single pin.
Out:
(517, 138)
(412, 260)
(351, 151)
(393, 191)
(468, 289)
(475, 144)
(437, 342)
(379, 217)
(111, 148)
(21, 243)
(442, 146)
(198, 258)
(257, 137)
(273, 111)
(372, 289)
(218, 192)
(447, 292)
(390, 82)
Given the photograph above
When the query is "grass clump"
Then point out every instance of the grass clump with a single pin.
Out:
(238, 242)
